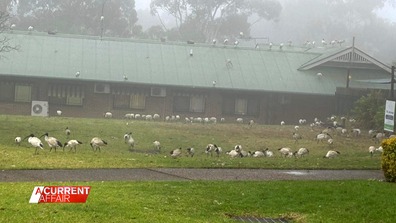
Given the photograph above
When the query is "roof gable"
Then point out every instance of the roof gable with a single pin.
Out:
(350, 57)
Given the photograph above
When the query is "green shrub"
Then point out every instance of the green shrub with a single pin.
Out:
(388, 160)
(369, 110)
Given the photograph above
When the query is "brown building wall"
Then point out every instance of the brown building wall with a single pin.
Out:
(96, 104)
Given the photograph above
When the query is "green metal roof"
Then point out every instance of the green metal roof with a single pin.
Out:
(170, 64)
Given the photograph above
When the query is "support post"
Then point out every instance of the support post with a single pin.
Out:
(348, 74)
(392, 82)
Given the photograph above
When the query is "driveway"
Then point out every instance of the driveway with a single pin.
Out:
(173, 174)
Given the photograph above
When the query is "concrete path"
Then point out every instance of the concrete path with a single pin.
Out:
(170, 174)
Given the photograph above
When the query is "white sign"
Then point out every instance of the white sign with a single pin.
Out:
(389, 120)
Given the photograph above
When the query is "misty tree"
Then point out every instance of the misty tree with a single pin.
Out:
(312, 20)
(5, 46)
(155, 32)
(207, 19)
(76, 16)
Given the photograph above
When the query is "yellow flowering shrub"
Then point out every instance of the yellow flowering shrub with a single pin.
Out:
(388, 159)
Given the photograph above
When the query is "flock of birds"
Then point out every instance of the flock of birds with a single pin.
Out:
(96, 143)
(54, 143)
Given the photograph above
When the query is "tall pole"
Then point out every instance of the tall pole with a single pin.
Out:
(101, 20)
(392, 82)
(351, 59)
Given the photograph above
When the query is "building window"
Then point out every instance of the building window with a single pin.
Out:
(10, 91)
(136, 101)
(197, 104)
(189, 103)
(66, 94)
(23, 93)
(6, 91)
(70, 100)
(240, 106)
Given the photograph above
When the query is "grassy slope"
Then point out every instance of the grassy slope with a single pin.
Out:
(354, 151)
(208, 201)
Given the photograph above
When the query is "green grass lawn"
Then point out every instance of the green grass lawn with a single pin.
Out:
(208, 201)
(354, 151)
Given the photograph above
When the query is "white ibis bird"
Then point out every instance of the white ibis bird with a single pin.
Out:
(270, 45)
(30, 28)
(67, 131)
(285, 151)
(12, 26)
(131, 141)
(210, 148)
(324, 42)
(322, 136)
(233, 153)
(191, 151)
(175, 153)
(52, 142)
(296, 137)
(97, 142)
(302, 151)
(225, 42)
(281, 46)
(72, 144)
(126, 137)
(18, 140)
(77, 73)
(372, 150)
(157, 146)
(259, 153)
(59, 112)
(331, 154)
(214, 41)
(34, 141)
(218, 150)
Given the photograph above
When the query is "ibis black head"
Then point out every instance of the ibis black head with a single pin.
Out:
(31, 135)
(46, 134)
(65, 145)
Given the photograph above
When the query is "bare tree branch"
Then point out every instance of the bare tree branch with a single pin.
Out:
(5, 46)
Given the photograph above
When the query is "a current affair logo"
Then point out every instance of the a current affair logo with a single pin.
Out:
(60, 194)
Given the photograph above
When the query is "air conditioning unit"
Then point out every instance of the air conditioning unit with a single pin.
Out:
(39, 108)
(102, 88)
(158, 91)
(284, 99)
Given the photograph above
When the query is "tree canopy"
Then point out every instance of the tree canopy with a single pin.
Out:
(75, 16)
(203, 20)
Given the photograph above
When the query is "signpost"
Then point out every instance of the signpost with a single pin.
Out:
(389, 120)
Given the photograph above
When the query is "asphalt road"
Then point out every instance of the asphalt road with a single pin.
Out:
(170, 174)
